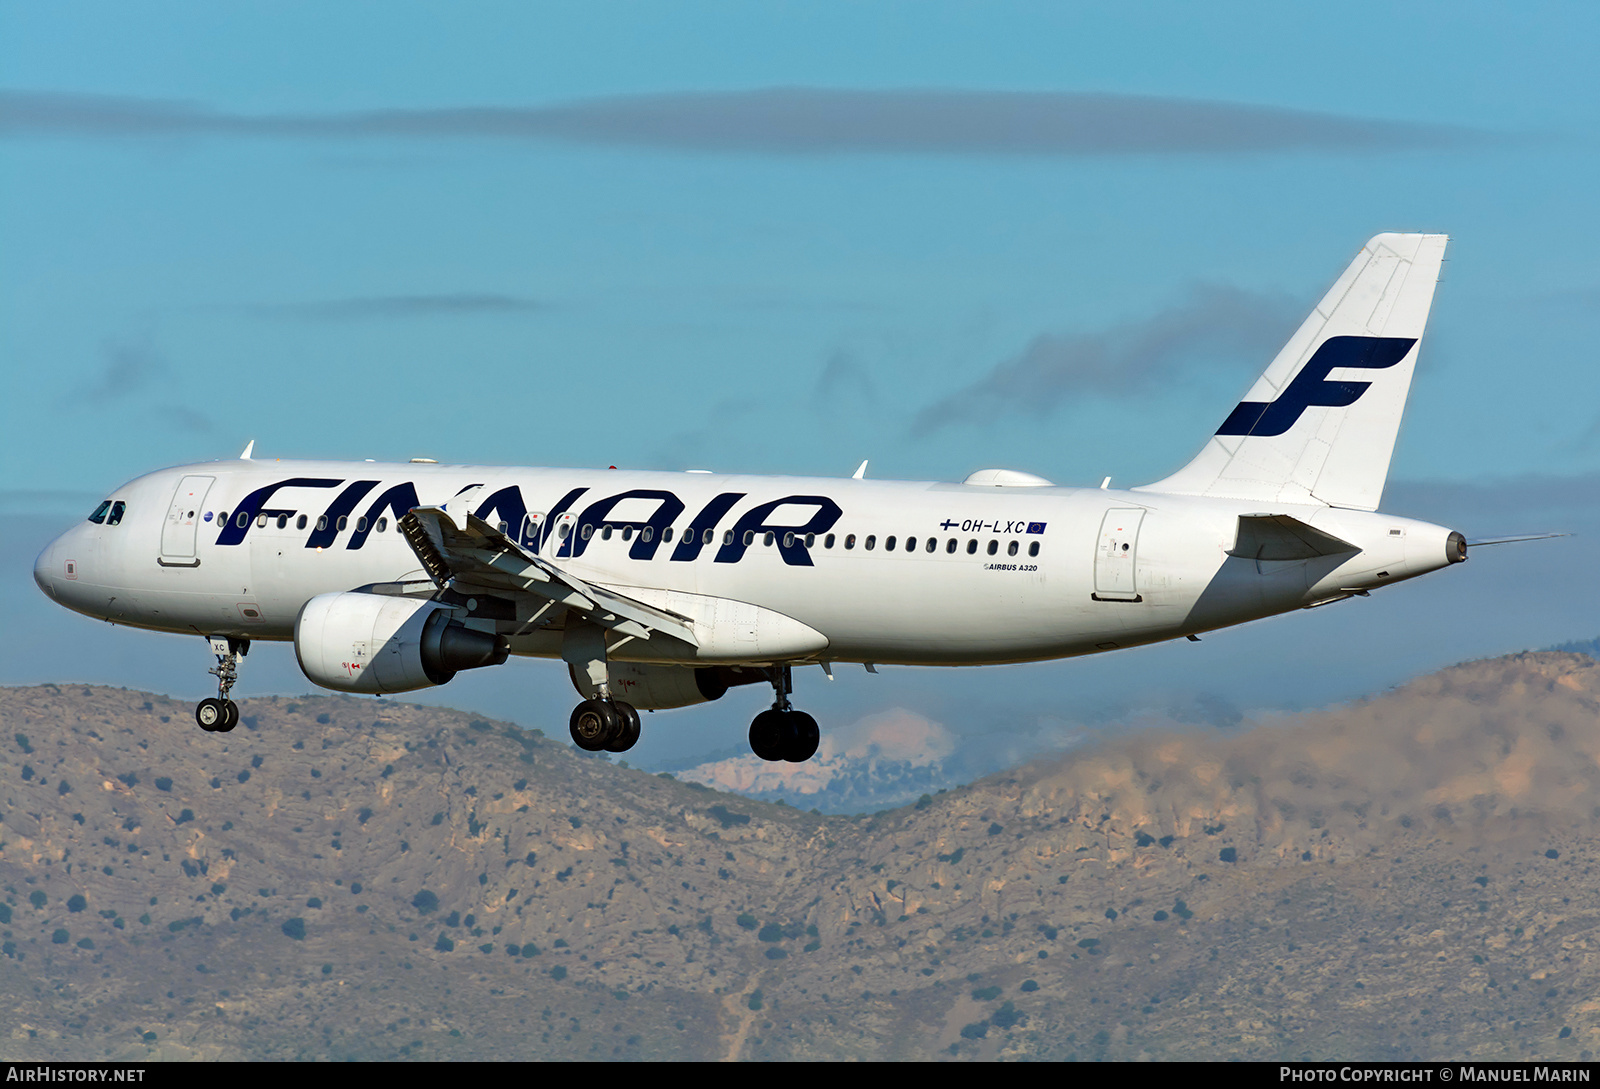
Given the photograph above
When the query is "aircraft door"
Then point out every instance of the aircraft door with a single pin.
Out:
(1116, 555)
(183, 522)
(532, 525)
(555, 543)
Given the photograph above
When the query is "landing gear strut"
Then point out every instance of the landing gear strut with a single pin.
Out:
(781, 732)
(222, 714)
(605, 724)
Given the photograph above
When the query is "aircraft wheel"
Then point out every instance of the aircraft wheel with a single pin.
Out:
(210, 714)
(230, 717)
(771, 733)
(803, 739)
(593, 724)
(627, 735)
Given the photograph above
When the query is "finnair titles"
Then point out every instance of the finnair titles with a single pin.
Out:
(660, 590)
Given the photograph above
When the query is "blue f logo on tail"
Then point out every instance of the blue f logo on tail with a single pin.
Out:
(1311, 386)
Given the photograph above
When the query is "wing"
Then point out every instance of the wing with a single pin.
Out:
(476, 556)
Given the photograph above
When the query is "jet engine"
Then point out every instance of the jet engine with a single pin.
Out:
(360, 642)
(659, 687)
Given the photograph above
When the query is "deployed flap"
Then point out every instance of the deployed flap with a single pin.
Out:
(1282, 537)
(478, 556)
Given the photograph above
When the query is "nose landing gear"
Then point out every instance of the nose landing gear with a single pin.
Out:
(781, 732)
(222, 714)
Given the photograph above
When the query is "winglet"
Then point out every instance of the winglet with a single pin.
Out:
(249, 446)
(860, 473)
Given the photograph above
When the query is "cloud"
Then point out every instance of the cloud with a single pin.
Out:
(844, 380)
(781, 120)
(402, 306)
(1127, 358)
(126, 370)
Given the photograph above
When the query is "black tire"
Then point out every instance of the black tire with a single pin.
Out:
(593, 724)
(210, 714)
(230, 717)
(770, 734)
(627, 735)
(804, 739)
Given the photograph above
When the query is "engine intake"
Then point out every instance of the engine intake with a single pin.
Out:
(360, 642)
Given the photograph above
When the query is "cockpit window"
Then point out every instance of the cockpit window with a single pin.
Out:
(117, 510)
(99, 515)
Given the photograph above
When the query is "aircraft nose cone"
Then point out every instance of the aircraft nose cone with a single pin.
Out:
(44, 570)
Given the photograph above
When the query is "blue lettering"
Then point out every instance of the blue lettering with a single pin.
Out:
(327, 527)
(753, 524)
(1310, 387)
(251, 505)
(694, 538)
(668, 507)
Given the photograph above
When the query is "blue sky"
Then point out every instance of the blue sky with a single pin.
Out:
(783, 238)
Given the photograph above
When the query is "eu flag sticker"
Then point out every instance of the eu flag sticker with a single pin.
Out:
(1035, 527)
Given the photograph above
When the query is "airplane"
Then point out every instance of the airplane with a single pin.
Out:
(665, 589)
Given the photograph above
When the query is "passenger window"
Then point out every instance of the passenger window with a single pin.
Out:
(261, 521)
(605, 532)
(648, 534)
(749, 537)
(1011, 549)
(827, 542)
(788, 540)
(300, 522)
(769, 539)
(242, 520)
(99, 515)
(565, 531)
(115, 517)
(361, 525)
(811, 540)
(503, 527)
(343, 522)
(1033, 549)
(222, 518)
(727, 537)
(972, 547)
(283, 521)
(666, 535)
(911, 544)
(627, 533)
(708, 536)
(888, 543)
(950, 545)
(994, 546)
(869, 542)
(383, 526)
(850, 541)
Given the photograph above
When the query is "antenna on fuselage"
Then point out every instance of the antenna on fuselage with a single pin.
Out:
(249, 446)
(860, 473)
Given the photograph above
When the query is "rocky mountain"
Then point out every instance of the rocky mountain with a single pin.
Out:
(1410, 876)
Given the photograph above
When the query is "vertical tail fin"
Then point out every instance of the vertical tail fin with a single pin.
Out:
(1319, 425)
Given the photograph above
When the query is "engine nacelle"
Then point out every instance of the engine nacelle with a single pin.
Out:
(358, 642)
(659, 687)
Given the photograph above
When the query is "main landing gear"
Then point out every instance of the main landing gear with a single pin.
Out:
(781, 732)
(222, 714)
(605, 724)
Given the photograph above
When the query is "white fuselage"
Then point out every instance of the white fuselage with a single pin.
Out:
(1014, 573)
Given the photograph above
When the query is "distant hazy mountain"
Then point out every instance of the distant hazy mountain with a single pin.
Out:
(1591, 647)
(1411, 876)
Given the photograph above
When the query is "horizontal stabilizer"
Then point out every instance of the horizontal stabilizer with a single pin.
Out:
(1282, 537)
